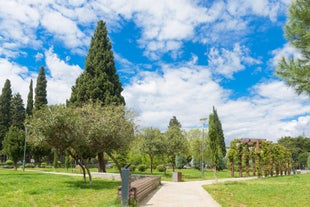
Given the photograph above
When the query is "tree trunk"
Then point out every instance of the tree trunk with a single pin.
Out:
(115, 161)
(101, 162)
(232, 171)
(90, 177)
(151, 159)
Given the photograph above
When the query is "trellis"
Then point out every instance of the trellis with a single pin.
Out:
(259, 156)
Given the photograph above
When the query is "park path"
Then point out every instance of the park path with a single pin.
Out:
(184, 194)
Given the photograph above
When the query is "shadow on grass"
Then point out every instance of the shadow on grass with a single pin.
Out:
(97, 184)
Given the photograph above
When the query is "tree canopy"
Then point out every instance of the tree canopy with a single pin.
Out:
(5, 110)
(296, 72)
(40, 91)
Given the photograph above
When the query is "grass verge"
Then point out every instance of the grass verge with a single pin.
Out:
(291, 190)
(20, 189)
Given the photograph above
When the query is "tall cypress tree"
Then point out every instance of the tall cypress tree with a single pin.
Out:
(30, 100)
(5, 110)
(40, 91)
(18, 112)
(99, 81)
(219, 132)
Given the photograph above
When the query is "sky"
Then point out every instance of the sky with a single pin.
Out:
(174, 58)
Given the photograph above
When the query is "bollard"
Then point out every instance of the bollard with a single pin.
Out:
(125, 173)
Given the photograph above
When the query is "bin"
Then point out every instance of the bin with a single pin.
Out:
(176, 176)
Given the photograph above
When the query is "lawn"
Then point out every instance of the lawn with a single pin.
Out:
(283, 191)
(21, 189)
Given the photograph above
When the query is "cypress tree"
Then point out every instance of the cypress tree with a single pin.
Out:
(30, 100)
(99, 81)
(219, 132)
(40, 90)
(5, 110)
(18, 111)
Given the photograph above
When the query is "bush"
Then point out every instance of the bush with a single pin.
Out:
(161, 168)
(30, 165)
(43, 165)
(132, 168)
(142, 168)
(9, 162)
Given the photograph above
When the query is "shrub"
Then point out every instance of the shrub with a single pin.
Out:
(161, 168)
(30, 165)
(132, 168)
(9, 162)
(142, 168)
(43, 165)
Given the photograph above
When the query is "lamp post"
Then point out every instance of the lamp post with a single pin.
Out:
(203, 120)
(25, 149)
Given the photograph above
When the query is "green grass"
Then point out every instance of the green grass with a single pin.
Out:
(283, 191)
(27, 189)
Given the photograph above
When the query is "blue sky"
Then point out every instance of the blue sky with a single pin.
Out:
(174, 58)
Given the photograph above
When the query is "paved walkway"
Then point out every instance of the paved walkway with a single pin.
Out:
(183, 194)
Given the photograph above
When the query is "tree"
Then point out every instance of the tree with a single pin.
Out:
(99, 81)
(176, 143)
(219, 132)
(18, 111)
(5, 110)
(29, 107)
(174, 122)
(213, 145)
(296, 72)
(40, 91)
(13, 144)
(152, 144)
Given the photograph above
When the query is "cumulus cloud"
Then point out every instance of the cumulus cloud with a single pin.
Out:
(188, 92)
(287, 51)
(226, 62)
(62, 77)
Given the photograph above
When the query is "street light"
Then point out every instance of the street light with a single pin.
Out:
(203, 120)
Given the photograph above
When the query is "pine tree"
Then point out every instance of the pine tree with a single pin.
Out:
(40, 91)
(30, 100)
(18, 111)
(174, 122)
(99, 81)
(296, 72)
(5, 110)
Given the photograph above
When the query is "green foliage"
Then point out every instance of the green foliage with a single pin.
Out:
(99, 81)
(29, 107)
(18, 111)
(180, 161)
(142, 167)
(296, 72)
(174, 122)
(308, 162)
(161, 168)
(152, 144)
(40, 99)
(5, 109)
(176, 143)
(13, 144)
(9, 162)
(219, 133)
(213, 146)
(297, 146)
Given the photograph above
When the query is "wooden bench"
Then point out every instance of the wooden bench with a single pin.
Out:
(140, 188)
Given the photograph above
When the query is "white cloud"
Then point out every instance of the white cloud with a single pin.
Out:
(18, 75)
(188, 92)
(226, 62)
(62, 77)
(287, 51)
